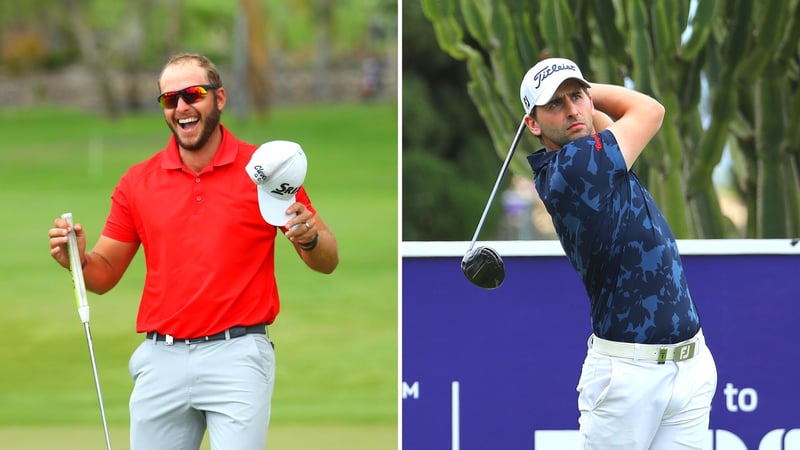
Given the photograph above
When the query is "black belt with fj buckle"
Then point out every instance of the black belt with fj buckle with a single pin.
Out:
(230, 333)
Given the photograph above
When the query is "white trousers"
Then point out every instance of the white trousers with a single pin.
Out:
(643, 405)
(182, 389)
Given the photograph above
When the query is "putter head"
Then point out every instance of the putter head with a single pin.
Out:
(484, 268)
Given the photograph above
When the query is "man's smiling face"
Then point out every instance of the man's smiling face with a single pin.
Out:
(191, 124)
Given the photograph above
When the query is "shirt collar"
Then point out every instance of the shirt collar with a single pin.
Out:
(539, 159)
(226, 153)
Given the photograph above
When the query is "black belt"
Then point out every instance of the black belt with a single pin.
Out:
(230, 333)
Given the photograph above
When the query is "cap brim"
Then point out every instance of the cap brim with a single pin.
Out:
(273, 210)
(547, 94)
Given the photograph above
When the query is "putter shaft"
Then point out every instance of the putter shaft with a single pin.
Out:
(97, 383)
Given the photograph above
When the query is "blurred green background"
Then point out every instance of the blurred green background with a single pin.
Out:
(78, 83)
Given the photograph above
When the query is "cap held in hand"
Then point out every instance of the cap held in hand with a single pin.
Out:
(278, 168)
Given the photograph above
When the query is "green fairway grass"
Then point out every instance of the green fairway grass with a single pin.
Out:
(281, 437)
(336, 336)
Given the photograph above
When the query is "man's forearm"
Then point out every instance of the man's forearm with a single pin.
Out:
(616, 101)
(637, 117)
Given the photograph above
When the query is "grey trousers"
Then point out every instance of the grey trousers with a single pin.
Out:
(182, 389)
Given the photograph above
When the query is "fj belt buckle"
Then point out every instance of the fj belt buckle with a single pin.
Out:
(680, 353)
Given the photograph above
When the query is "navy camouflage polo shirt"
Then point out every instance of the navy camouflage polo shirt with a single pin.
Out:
(618, 242)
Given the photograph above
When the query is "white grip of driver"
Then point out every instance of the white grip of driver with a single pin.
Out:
(77, 271)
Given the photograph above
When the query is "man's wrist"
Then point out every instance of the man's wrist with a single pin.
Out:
(84, 262)
(310, 245)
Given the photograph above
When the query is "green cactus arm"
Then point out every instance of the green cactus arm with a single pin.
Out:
(708, 217)
(449, 33)
(793, 132)
(609, 33)
(770, 213)
(792, 190)
(769, 30)
(701, 24)
(665, 27)
(771, 201)
(739, 32)
(507, 65)
(712, 144)
(790, 50)
(675, 202)
(475, 13)
(526, 33)
(770, 102)
(689, 81)
(640, 46)
(557, 26)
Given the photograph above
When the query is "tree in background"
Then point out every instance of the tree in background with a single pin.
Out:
(121, 43)
(131, 51)
(746, 53)
(89, 47)
(448, 164)
(258, 67)
(251, 61)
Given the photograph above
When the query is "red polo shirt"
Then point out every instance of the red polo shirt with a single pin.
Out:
(209, 254)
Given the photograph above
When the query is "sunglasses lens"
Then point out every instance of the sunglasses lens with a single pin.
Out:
(194, 94)
(168, 100)
(190, 95)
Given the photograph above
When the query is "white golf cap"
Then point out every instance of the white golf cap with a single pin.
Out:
(279, 169)
(543, 80)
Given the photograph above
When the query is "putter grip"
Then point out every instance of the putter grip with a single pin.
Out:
(77, 271)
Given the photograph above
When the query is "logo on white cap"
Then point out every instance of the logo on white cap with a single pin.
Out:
(278, 168)
(543, 80)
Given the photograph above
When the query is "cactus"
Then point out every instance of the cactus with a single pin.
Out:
(747, 51)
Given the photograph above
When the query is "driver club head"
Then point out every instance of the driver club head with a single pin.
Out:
(484, 268)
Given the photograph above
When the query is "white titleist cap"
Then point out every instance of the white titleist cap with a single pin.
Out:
(279, 169)
(543, 80)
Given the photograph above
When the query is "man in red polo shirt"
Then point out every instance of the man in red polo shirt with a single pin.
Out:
(210, 289)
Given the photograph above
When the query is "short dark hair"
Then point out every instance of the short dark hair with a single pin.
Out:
(212, 73)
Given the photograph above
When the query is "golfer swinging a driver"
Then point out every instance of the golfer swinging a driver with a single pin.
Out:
(648, 377)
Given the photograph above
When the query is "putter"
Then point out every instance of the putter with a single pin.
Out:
(483, 266)
(83, 311)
